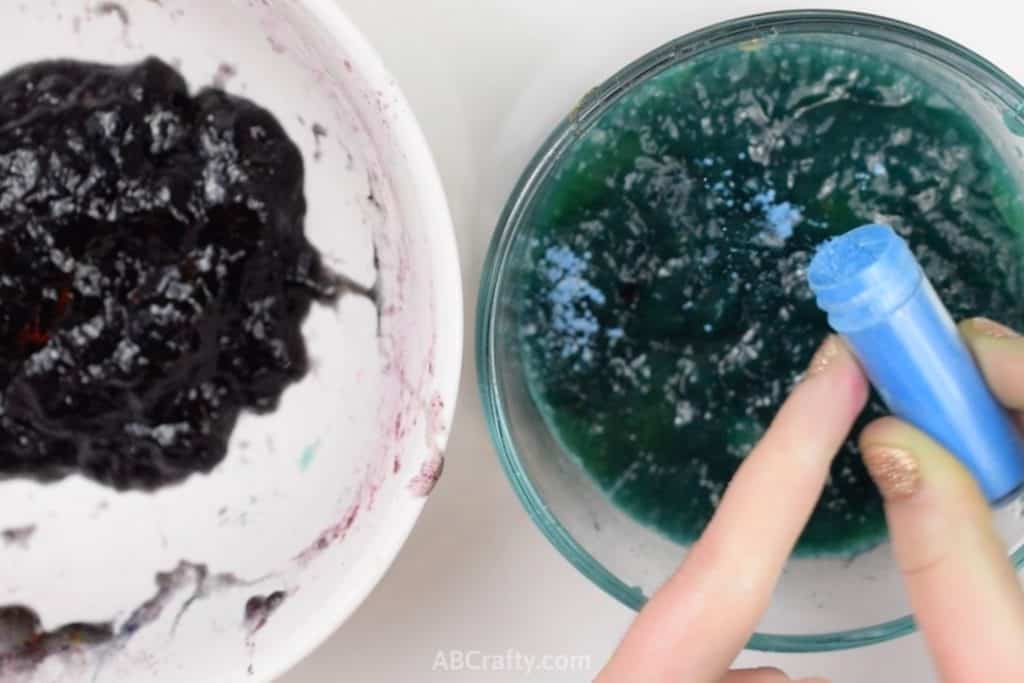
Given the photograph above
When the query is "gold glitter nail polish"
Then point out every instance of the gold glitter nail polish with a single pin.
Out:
(895, 471)
(824, 356)
(990, 328)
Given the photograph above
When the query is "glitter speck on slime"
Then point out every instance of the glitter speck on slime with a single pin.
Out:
(661, 304)
(879, 299)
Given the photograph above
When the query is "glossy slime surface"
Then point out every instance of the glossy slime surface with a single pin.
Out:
(663, 309)
(154, 272)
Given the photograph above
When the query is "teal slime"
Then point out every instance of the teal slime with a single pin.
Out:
(663, 312)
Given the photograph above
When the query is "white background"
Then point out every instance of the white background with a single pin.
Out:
(487, 79)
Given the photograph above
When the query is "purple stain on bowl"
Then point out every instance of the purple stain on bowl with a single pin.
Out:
(430, 472)
(225, 72)
(207, 585)
(115, 9)
(259, 609)
(372, 193)
(319, 134)
(329, 536)
(423, 483)
(169, 584)
(18, 537)
(276, 45)
(24, 645)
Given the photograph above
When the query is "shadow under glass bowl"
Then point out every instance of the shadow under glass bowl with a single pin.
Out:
(822, 603)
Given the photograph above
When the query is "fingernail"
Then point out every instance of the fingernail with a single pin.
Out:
(824, 356)
(896, 472)
(990, 328)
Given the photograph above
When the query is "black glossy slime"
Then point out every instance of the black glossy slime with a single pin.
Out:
(154, 272)
(664, 314)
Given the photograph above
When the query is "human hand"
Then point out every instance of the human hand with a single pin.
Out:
(955, 567)
(963, 590)
(694, 626)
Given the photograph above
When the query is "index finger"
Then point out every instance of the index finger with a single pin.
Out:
(726, 581)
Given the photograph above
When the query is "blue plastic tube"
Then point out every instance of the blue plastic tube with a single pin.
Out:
(878, 298)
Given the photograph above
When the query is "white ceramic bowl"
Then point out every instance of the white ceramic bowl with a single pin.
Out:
(312, 502)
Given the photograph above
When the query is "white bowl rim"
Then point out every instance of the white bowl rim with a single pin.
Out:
(448, 314)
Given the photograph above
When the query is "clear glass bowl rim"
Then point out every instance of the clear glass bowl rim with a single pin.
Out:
(958, 58)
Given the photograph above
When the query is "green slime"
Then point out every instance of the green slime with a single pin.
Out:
(663, 313)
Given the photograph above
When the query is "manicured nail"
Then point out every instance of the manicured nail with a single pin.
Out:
(824, 356)
(990, 328)
(895, 471)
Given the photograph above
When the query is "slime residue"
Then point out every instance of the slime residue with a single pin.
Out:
(24, 644)
(259, 609)
(19, 536)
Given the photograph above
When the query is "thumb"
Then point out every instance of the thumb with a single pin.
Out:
(962, 587)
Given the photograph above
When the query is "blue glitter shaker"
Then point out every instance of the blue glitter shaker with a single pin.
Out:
(878, 298)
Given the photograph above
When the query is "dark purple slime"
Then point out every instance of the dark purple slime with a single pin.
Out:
(154, 271)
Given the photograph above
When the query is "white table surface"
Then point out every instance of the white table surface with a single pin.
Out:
(487, 79)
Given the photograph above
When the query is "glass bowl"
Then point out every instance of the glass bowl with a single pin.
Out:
(823, 602)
